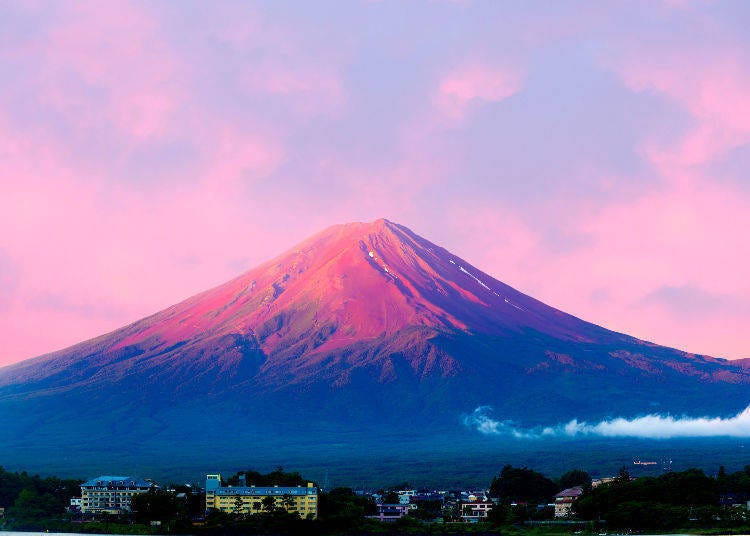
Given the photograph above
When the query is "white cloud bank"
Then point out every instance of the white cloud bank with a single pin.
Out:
(649, 426)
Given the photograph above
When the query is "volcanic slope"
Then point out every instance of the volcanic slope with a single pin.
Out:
(364, 329)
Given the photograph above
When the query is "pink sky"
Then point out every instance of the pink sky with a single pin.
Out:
(595, 156)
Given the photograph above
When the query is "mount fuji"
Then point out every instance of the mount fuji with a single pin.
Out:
(364, 334)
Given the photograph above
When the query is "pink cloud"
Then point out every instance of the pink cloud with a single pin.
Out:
(91, 251)
(314, 88)
(712, 85)
(471, 85)
(237, 159)
(272, 60)
(105, 65)
(675, 236)
(254, 105)
(92, 256)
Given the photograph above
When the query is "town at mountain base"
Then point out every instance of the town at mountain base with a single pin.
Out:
(363, 332)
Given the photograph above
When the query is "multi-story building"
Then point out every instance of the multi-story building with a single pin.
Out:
(565, 499)
(75, 504)
(111, 494)
(245, 499)
(475, 511)
(404, 496)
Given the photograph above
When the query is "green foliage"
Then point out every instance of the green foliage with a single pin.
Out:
(738, 482)
(277, 521)
(664, 502)
(238, 504)
(451, 512)
(30, 505)
(31, 501)
(408, 524)
(623, 476)
(390, 498)
(522, 485)
(11, 485)
(269, 503)
(275, 478)
(341, 510)
(576, 477)
(428, 510)
(499, 514)
(642, 515)
(155, 505)
(287, 501)
(688, 499)
(217, 518)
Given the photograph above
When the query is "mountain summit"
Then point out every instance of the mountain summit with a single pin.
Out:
(341, 334)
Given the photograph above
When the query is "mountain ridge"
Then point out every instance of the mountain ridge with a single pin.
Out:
(339, 334)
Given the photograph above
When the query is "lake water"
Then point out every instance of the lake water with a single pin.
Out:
(12, 533)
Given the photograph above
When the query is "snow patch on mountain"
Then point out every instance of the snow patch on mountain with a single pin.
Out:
(475, 278)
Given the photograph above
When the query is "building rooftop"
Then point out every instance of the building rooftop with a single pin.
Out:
(570, 492)
(266, 490)
(116, 481)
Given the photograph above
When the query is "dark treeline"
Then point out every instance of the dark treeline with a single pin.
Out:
(687, 499)
(28, 497)
(684, 500)
(279, 477)
(524, 485)
(672, 500)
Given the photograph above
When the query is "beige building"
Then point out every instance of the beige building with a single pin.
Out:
(565, 499)
(475, 511)
(111, 494)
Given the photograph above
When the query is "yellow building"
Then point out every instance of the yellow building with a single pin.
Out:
(252, 500)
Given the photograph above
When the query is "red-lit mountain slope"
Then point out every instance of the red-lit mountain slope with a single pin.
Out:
(344, 332)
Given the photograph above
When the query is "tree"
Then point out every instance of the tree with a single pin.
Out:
(30, 505)
(499, 514)
(268, 503)
(659, 503)
(11, 485)
(451, 512)
(287, 502)
(154, 505)
(278, 477)
(342, 511)
(428, 510)
(623, 476)
(217, 518)
(576, 477)
(522, 485)
(723, 480)
(238, 505)
(390, 498)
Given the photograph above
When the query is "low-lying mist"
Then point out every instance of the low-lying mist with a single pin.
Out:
(653, 426)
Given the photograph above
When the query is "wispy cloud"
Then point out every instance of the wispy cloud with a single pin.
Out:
(474, 84)
(649, 426)
(136, 135)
